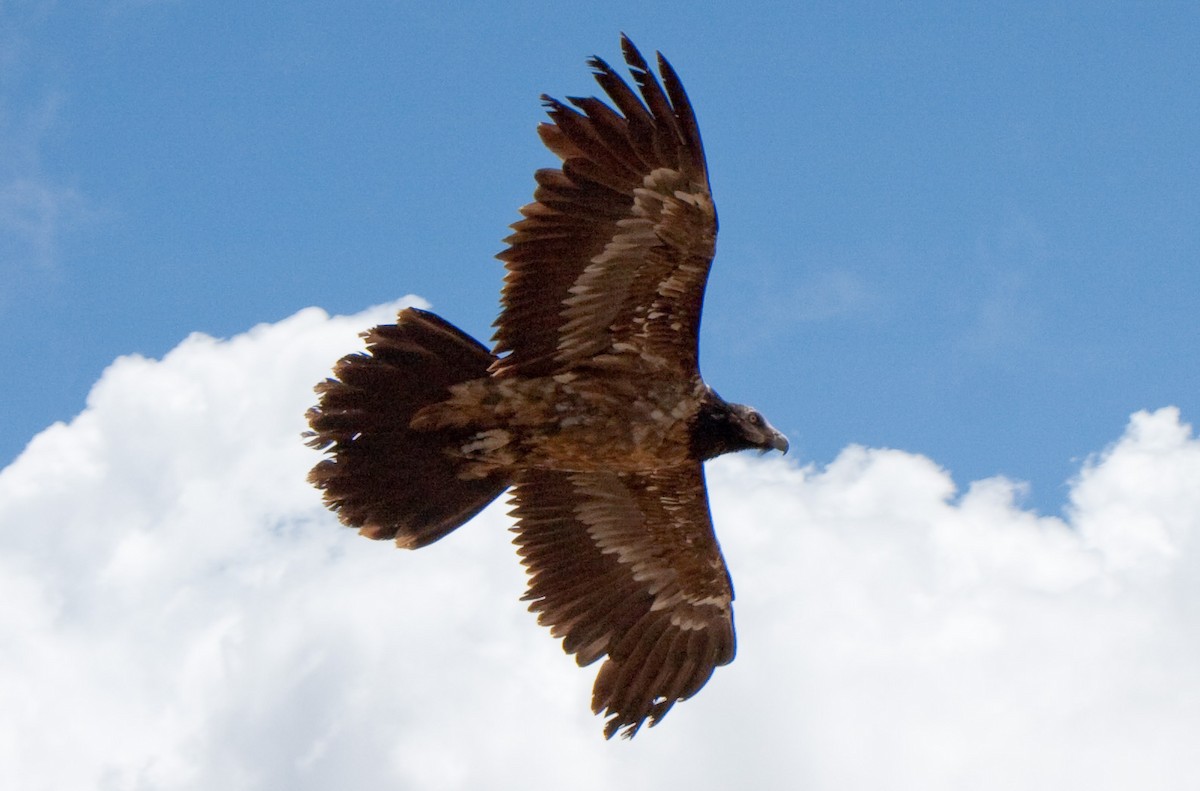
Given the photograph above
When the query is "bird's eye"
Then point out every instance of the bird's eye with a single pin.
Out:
(755, 419)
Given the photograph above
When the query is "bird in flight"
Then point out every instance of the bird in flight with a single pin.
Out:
(590, 406)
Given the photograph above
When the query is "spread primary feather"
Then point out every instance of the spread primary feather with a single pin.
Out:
(590, 406)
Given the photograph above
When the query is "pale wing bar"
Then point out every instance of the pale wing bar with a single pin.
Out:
(627, 565)
(628, 213)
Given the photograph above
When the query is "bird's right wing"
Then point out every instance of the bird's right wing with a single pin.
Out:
(613, 254)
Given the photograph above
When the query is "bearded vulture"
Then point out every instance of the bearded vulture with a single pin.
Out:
(590, 406)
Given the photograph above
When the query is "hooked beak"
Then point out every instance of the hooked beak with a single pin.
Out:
(773, 440)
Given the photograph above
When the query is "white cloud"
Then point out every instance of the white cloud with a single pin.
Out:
(827, 294)
(181, 613)
(33, 215)
(36, 208)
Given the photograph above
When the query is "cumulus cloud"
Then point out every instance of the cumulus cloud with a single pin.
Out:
(181, 613)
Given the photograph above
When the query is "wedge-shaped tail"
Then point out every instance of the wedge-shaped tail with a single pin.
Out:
(383, 477)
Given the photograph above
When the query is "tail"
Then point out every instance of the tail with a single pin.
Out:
(383, 477)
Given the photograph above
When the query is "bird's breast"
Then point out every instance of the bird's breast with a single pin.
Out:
(578, 422)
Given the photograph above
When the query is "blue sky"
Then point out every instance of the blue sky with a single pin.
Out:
(961, 230)
(958, 252)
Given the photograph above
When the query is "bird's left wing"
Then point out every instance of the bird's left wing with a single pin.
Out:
(613, 254)
(627, 564)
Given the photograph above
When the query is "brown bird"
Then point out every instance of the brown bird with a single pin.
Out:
(590, 406)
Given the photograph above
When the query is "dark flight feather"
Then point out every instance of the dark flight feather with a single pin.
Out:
(590, 406)
(653, 148)
(645, 572)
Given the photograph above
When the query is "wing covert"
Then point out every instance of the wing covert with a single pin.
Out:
(613, 254)
(627, 565)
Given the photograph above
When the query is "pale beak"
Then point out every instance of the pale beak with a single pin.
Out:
(773, 439)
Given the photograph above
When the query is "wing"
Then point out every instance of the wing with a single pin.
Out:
(613, 254)
(627, 565)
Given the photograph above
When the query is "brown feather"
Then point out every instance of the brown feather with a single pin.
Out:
(591, 404)
(685, 117)
(667, 137)
(645, 574)
(614, 132)
(581, 282)
(383, 478)
(640, 124)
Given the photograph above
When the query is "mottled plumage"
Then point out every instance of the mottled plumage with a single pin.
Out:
(590, 406)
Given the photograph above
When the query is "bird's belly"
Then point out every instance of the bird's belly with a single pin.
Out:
(579, 424)
(619, 445)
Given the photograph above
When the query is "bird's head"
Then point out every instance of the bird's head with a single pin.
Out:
(755, 429)
(721, 427)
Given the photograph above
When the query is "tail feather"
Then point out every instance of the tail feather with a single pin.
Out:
(383, 477)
